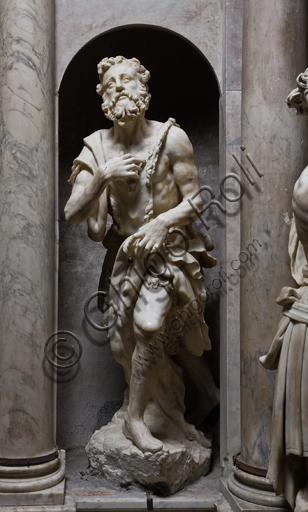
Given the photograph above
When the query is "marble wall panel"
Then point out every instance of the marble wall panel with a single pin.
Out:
(230, 137)
(233, 32)
(77, 23)
(230, 140)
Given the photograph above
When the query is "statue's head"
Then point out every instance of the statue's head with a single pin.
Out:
(298, 98)
(123, 86)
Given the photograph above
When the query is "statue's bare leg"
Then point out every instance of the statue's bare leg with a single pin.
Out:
(150, 312)
(190, 431)
(199, 372)
(122, 347)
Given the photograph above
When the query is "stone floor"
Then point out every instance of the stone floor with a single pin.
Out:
(88, 490)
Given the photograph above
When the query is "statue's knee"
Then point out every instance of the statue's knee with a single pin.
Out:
(147, 326)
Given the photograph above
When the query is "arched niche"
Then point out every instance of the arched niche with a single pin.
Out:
(183, 86)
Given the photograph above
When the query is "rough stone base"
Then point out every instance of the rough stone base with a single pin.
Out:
(165, 472)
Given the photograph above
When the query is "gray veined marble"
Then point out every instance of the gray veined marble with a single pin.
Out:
(288, 353)
(273, 38)
(27, 253)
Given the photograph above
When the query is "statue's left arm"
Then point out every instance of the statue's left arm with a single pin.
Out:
(151, 236)
(181, 156)
(300, 207)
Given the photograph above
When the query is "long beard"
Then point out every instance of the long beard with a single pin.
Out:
(129, 109)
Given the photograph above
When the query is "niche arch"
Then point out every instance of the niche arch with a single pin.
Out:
(183, 85)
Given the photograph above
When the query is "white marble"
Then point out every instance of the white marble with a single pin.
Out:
(143, 173)
(298, 97)
(33, 485)
(16, 482)
(133, 504)
(179, 463)
(68, 507)
(44, 499)
(241, 505)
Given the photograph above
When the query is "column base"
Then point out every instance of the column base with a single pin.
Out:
(250, 493)
(43, 484)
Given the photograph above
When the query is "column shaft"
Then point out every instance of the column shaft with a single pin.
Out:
(274, 52)
(273, 145)
(27, 226)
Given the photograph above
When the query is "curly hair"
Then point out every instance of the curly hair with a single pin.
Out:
(105, 64)
(298, 98)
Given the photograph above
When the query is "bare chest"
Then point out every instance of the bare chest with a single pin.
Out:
(132, 202)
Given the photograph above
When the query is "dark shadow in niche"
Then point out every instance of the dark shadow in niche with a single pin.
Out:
(183, 86)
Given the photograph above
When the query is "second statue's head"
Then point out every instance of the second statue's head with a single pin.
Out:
(123, 86)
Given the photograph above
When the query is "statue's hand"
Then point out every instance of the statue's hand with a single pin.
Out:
(124, 167)
(149, 238)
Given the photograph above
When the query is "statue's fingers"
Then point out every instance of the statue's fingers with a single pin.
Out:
(125, 245)
(142, 242)
(132, 174)
(131, 166)
(149, 245)
(155, 247)
(138, 251)
(133, 241)
(128, 242)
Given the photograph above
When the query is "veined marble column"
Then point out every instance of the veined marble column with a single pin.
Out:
(30, 462)
(274, 53)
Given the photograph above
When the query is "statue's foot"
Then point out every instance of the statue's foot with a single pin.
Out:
(140, 434)
(190, 431)
(193, 434)
(203, 408)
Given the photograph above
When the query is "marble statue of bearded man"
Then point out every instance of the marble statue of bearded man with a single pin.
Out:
(142, 172)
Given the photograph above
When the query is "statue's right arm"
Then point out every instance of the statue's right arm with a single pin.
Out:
(88, 201)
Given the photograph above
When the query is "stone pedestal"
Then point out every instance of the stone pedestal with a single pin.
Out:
(178, 464)
(273, 145)
(29, 460)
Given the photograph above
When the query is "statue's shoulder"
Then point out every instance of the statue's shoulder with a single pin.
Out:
(177, 141)
(174, 131)
(96, 137)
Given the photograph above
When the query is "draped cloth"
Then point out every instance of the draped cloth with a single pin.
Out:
(289, 353)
